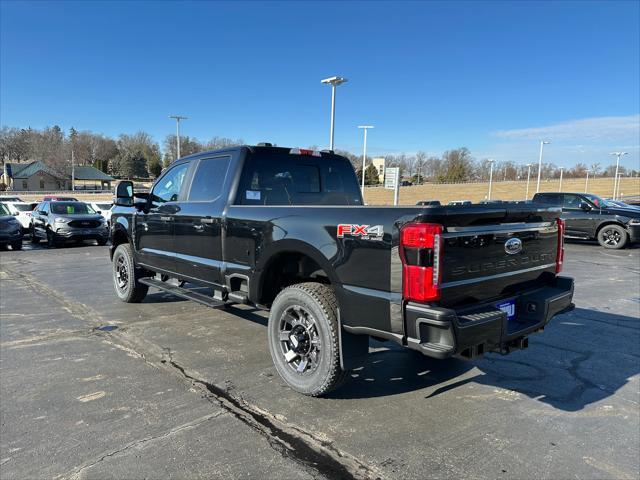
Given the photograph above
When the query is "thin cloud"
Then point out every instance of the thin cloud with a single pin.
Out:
(587, 129)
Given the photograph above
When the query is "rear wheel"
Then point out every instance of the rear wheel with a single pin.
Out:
(613, 236)
(126, 276)
(17, 245)
(102, 242)
(303, 338)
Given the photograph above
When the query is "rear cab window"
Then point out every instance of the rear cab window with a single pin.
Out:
(277, 177)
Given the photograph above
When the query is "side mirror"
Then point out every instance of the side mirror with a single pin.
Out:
(124, 193)
(99, 212)
(17, 214)
(585, 207)
(42, 212)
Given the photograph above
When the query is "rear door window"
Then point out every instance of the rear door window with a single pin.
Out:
(208, 181)
(553, 199)
(282, 179)
(571, 201)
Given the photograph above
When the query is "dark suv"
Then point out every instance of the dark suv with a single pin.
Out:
(588, 216)
(56, 221)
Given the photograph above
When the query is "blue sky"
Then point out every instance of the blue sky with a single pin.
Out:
(492, 76)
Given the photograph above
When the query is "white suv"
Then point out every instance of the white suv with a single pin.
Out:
(104, 208)
(22, 212)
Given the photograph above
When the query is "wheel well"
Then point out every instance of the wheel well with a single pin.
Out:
(601, 226)
(119, 237)
(286, 269)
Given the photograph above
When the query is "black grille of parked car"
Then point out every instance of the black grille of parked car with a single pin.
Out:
(84, 223)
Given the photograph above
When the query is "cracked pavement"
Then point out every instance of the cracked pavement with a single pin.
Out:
(178, 390)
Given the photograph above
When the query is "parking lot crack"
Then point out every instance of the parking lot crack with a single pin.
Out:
(78, 472)
(317, 456)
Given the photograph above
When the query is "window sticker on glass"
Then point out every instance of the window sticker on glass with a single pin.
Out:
(253, 195)
(70, 209)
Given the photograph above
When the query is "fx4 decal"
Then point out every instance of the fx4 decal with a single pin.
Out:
(366, 232)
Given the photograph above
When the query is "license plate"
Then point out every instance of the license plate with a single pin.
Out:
(508, 307)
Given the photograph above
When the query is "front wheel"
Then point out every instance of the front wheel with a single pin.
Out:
(51, 239)
(126, 276)
(613, 236)
(303, 338)
(16, 245)
(34, 238)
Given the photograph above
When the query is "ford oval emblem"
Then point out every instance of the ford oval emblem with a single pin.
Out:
(513, 246)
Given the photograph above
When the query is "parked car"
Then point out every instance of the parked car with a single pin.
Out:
(58, 221)
(10, 229)
(267, 226)
(103, 208)
(406, 183)
(22, 211)
(590, 217)
(9, 198)
(426, 203)
(460, 202)
(55, 198)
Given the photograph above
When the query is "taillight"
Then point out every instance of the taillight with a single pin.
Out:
(421, 254)
(560, 251)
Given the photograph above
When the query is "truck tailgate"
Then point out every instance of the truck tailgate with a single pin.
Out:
(491, 261)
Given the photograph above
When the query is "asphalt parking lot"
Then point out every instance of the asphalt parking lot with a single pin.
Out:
(95, 388)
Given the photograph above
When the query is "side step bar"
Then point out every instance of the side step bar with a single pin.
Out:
(182, 292)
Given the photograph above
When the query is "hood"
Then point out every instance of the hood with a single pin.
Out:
(624, 212)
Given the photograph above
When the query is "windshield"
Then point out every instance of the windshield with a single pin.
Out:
(4, 210)
(597, 201)
(103, 206)
(71, 208)
(24, 207)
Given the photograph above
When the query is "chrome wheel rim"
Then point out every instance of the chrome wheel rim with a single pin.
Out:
(121, 273)
(299, 340)
(611, 237)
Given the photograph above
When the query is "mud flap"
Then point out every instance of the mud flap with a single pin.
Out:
(353, 348)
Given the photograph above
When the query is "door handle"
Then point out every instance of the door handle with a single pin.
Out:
(208, 220)
(166, 219)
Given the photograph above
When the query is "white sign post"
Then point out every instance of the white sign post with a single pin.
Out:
(392, 182)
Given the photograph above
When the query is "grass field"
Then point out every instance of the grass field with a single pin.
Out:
(448, 192)
(500, 190)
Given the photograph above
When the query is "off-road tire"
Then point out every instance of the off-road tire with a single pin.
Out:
(320, 301)
(16, 245)
(613, 237)
(133, 291)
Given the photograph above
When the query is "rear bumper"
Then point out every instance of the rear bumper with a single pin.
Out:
(442, 332)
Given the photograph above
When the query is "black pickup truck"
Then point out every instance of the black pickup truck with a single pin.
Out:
(286, 230)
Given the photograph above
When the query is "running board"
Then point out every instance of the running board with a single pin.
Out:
(182, 292)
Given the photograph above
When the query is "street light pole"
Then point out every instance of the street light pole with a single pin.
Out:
(615, 177)
(542, 144)
(178, 118)
(561, 171)
(586, 182)
(364, 153)
(334, 82)
(526, 196)
(490, 177)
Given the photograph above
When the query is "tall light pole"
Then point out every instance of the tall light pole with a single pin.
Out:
(542, 144)
(615, 178)
(490, 177)
(561, 171)
(178, 118)
(334, 82)
(526, 195)
(364, 152)
(586, 182)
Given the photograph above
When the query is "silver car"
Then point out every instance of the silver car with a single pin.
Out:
(56, 221)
